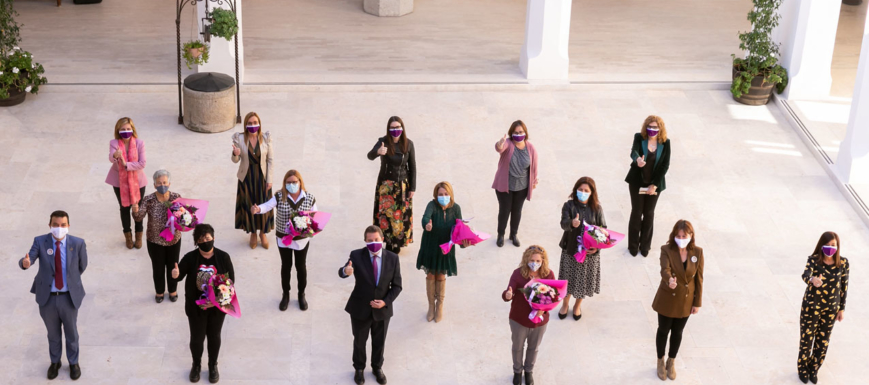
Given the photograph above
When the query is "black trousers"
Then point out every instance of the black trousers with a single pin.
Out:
(163, 260)
(673, 327)
(361, 329)
(125, 211)
(642, 222)
(287, 267)
(204, 323)
(510, 206)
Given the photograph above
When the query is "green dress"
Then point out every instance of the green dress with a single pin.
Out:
(431, 258)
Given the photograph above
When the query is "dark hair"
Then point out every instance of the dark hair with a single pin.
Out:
(200, 230)
(371, 230)
(826, 237)
(58, 214)
(687, 228)
(402, 140)
(516, 125)
(593, 201)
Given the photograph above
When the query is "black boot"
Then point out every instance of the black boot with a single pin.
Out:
(303, 303)
(285, 301)
(194, 372)
(528, 379)
(500, 241)
(52, 370)
(213, 374)
(517, 378)
(515, 240)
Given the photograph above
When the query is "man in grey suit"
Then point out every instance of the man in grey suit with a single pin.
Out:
(58, 288)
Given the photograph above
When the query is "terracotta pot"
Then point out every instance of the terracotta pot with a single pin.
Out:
(758, 94)
(195, 52)
(15, 98)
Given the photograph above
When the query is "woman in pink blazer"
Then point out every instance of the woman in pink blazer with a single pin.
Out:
(515, 179)
(127, 155)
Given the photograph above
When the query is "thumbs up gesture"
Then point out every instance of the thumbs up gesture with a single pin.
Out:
(235, 150)
(641, 161)
(117, 153)
(175, 271)
(348, 270)
(576, 222)
(382, 149)
(672, 283)
(25, 262)
(818, 281)
(428, 225)
(509, 294)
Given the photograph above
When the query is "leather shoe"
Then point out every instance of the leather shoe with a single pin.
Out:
(633, 252)
(500, 241)
(517, 378)
(303, 303)
(359, 377)
(74, 372)
(159, 298)
(173, 298)
(213, 374)
(529, 380)
(515, 240)
(379, 376)
(194, 373)
(285, 301)
(645, 253)
(52, 370)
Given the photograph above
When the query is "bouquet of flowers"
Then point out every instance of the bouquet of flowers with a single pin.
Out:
(305, 224)
(543, 295)
(593, 237)
(462, 232)
(183, 215)
(218, 291)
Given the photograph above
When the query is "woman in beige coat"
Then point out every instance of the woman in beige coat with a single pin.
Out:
(680, 293)
(253, 151)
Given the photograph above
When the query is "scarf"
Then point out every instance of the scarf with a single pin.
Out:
(128, 180)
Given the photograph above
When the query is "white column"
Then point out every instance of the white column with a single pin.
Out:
(812, 54)
(853, 160)
(547, 29)
(221, 51)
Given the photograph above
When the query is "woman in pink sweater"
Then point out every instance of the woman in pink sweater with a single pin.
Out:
(515, 179)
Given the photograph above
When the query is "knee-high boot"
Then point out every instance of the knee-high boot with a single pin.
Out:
(440, 290)
(430, 292)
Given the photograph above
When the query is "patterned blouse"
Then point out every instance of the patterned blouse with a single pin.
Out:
(831, 296)
(156, 212)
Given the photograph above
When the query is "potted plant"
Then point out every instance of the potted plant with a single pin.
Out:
(19, 74)
(223, 23)
(755, 76)
(195, 52)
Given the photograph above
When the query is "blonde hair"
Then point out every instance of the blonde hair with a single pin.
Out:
(526, 256)
(284, 192)
(446, 186)
(121, 122)
(662, 131)
(259, 133)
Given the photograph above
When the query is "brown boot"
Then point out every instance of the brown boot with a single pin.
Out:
(430, 292)
(440, 290)
(662, 373)
(129, 238)
(264, 240)
(671, 368)
(253, 240)
(138, 243)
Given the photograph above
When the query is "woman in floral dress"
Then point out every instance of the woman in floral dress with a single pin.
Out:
(396, 183)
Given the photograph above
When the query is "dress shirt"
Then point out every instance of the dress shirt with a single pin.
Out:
(379, 257)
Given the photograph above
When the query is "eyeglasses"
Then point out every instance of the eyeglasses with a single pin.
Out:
(652, 128)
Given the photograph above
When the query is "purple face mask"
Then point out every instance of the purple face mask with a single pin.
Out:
(374, 246)
(395, 132)
(652, 133)
(829, 250)
(252, 129)
(518, 137)
(125, 134)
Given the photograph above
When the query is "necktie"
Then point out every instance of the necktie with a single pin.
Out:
(374, 263)
(58, 267)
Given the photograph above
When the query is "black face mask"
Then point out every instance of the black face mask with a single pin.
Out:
(206, 246)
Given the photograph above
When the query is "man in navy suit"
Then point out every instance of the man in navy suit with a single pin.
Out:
(378, 282)
(58, 288)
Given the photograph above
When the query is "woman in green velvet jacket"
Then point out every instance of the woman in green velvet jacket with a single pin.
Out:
(650, 160)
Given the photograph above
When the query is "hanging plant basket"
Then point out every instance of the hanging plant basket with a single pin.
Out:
(223, 23)
(195, 52)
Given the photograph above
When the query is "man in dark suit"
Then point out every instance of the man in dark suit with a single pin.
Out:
(58, 288)
(378, 282)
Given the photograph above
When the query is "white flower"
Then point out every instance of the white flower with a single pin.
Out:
(33, 66)
(14, 70)
(300, 222)
(28, 89)
(16, 48)
(1, 72)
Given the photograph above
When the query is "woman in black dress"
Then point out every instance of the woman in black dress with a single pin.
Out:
(253, 151)
(203, 322)
(396, 183)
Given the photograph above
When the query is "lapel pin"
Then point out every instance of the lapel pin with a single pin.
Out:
(49, 252)
(694, 259)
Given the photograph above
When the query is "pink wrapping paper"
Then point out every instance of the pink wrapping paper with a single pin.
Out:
(589, 242)
(235, 311)
(462, 232)
(538, 309)
(320, 220)
(168, 232)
